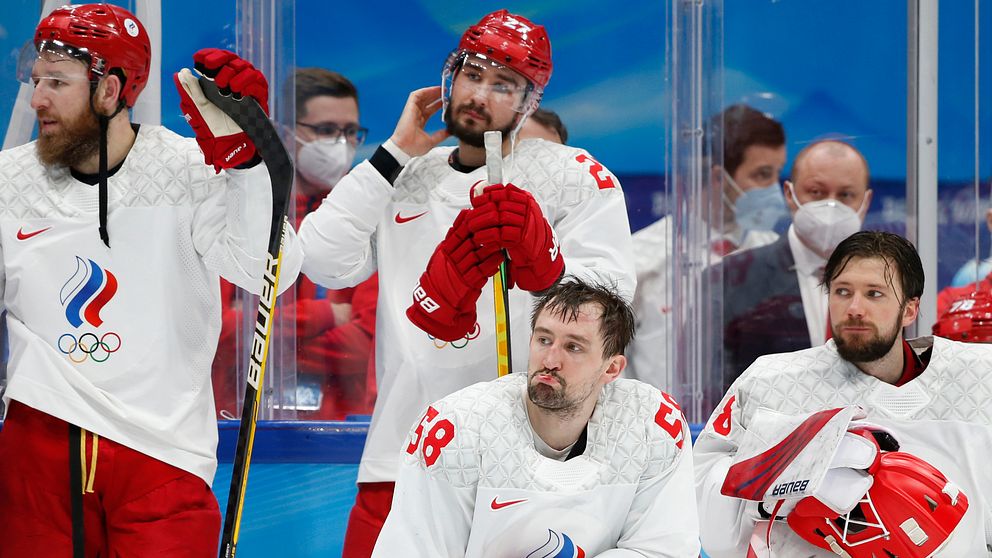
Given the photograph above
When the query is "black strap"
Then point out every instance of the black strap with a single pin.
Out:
(76, 491)
(104, 235)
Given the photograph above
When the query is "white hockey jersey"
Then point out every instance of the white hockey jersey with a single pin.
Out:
(472, 483)
(365, 224)
(119, 340)
(943, 417)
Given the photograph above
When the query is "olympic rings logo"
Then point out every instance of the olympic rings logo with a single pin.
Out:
(89, 346)
(459, 343)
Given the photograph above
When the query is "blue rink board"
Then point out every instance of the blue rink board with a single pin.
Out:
(292, 509)
(301, 485)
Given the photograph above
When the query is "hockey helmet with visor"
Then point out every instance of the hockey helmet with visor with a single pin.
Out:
(501, 41)
(104, 37)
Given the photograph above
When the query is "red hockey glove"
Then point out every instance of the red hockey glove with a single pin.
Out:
(535, 262)
(233, 74)
(224, 143)
(444, 301)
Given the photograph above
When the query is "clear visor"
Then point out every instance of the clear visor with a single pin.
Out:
(472, 74)
(52, 60)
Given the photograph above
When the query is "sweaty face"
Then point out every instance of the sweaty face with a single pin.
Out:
(867, 310)
(484, 97)
(68, 131)
(566, 364)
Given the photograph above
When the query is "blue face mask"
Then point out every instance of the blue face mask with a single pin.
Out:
(759, 208)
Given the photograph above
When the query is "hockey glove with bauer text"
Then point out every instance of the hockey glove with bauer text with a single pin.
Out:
(536, 262)
(849, 475)
(444, 301)
(224, 144)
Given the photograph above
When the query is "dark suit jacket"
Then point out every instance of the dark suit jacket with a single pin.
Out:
(762, 306)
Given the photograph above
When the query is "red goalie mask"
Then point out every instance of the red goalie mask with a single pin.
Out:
(909, 512)
(969, 319)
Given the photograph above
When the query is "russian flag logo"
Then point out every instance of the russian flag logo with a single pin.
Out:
(558, 546)
(86, 292)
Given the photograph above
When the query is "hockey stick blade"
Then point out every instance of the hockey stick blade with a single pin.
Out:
(247, 114)
(493, 141)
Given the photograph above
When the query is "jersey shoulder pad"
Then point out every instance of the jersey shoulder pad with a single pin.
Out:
(26, 186)
(563, 171)
(164, 168)
(448, 437)
(422, 174)
(644, 419)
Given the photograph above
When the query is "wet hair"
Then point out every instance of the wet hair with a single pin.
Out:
(308, 83)
(565, 299)
(898, 253)
(738, 127)
(550, 119)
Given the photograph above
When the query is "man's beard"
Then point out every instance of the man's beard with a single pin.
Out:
(551, 398)
(76, 141)
(868, 350)
(475, 138)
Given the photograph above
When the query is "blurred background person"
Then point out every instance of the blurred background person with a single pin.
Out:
(333, 328)
(773, 301)
(545, 124)
(749, 152)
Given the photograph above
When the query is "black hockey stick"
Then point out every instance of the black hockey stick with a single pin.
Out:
(247, 114)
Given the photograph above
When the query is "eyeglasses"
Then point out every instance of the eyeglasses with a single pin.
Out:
(354, 134)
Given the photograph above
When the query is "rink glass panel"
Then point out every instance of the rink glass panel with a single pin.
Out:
(964, 143)
(820, 67)
(635, 87)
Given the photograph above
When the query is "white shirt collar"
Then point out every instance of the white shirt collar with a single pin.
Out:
(807, 261)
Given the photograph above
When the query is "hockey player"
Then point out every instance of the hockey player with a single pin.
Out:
(930, 395)
(109, 444)
(391, 213)
(565, 460)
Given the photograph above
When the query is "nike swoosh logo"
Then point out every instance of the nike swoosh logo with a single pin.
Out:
(400, 219)
(21, 235)
(500, 505)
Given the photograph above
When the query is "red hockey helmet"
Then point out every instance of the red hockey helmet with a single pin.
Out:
(513, 41)
(968, 319)
(910, 511)
(104, 37)
(509, 40)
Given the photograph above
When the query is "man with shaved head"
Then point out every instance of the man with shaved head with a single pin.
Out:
(773, 301)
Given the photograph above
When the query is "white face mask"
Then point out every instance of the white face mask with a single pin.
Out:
(324, 161)
(823, 224)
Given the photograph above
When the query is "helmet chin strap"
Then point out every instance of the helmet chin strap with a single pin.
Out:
(104, 121)
(102, 174)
